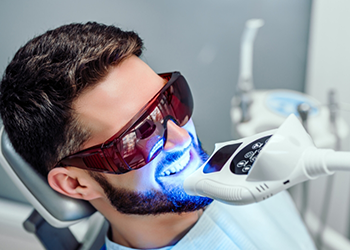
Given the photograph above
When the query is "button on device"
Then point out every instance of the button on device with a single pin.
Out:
(242, 163)
(254, 158)
(246, 168)
(248, 155)
(257, 145)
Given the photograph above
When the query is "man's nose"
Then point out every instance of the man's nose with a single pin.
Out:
(177, 137)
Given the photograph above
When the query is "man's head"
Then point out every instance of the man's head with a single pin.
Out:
(75, 87)
(44, 79)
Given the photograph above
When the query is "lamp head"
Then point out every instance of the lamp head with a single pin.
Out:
(253, 168)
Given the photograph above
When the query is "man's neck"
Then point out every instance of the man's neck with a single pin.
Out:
(151, 231)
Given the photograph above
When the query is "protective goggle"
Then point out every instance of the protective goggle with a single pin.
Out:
(144, 136)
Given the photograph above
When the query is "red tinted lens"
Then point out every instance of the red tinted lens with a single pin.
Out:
(179, 100)
(135, 148)
(143, 141)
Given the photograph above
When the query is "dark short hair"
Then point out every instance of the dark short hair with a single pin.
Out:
(44, 78)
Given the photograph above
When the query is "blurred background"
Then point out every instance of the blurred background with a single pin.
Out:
(303, 46)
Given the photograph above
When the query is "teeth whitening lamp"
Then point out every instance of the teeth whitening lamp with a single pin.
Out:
(255, 168)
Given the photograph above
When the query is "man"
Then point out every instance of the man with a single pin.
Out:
(81, 107)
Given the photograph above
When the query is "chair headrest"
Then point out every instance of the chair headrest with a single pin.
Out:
(57, 209)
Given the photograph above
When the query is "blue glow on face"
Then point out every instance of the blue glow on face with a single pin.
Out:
(156, 148)
(172, 198)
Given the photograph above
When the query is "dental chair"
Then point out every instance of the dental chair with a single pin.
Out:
(59, 222)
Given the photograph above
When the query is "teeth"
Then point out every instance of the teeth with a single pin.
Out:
(177, 166)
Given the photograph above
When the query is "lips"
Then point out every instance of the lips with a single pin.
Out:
(177, 166)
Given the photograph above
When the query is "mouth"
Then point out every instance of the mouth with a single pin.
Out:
(177, 166)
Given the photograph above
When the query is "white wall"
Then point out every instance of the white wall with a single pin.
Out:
(329, 67)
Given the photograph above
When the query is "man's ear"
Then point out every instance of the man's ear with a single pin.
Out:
(74, 183)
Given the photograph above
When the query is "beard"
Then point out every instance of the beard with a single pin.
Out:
(171, 199)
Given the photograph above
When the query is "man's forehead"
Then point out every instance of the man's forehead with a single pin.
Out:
(109, 105)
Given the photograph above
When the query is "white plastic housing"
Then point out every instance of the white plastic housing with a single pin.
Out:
(285, 160)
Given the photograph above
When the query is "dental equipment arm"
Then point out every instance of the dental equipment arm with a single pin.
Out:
(245, 81)
(255, 168)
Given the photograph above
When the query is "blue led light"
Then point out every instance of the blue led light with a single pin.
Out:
(155, 148)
